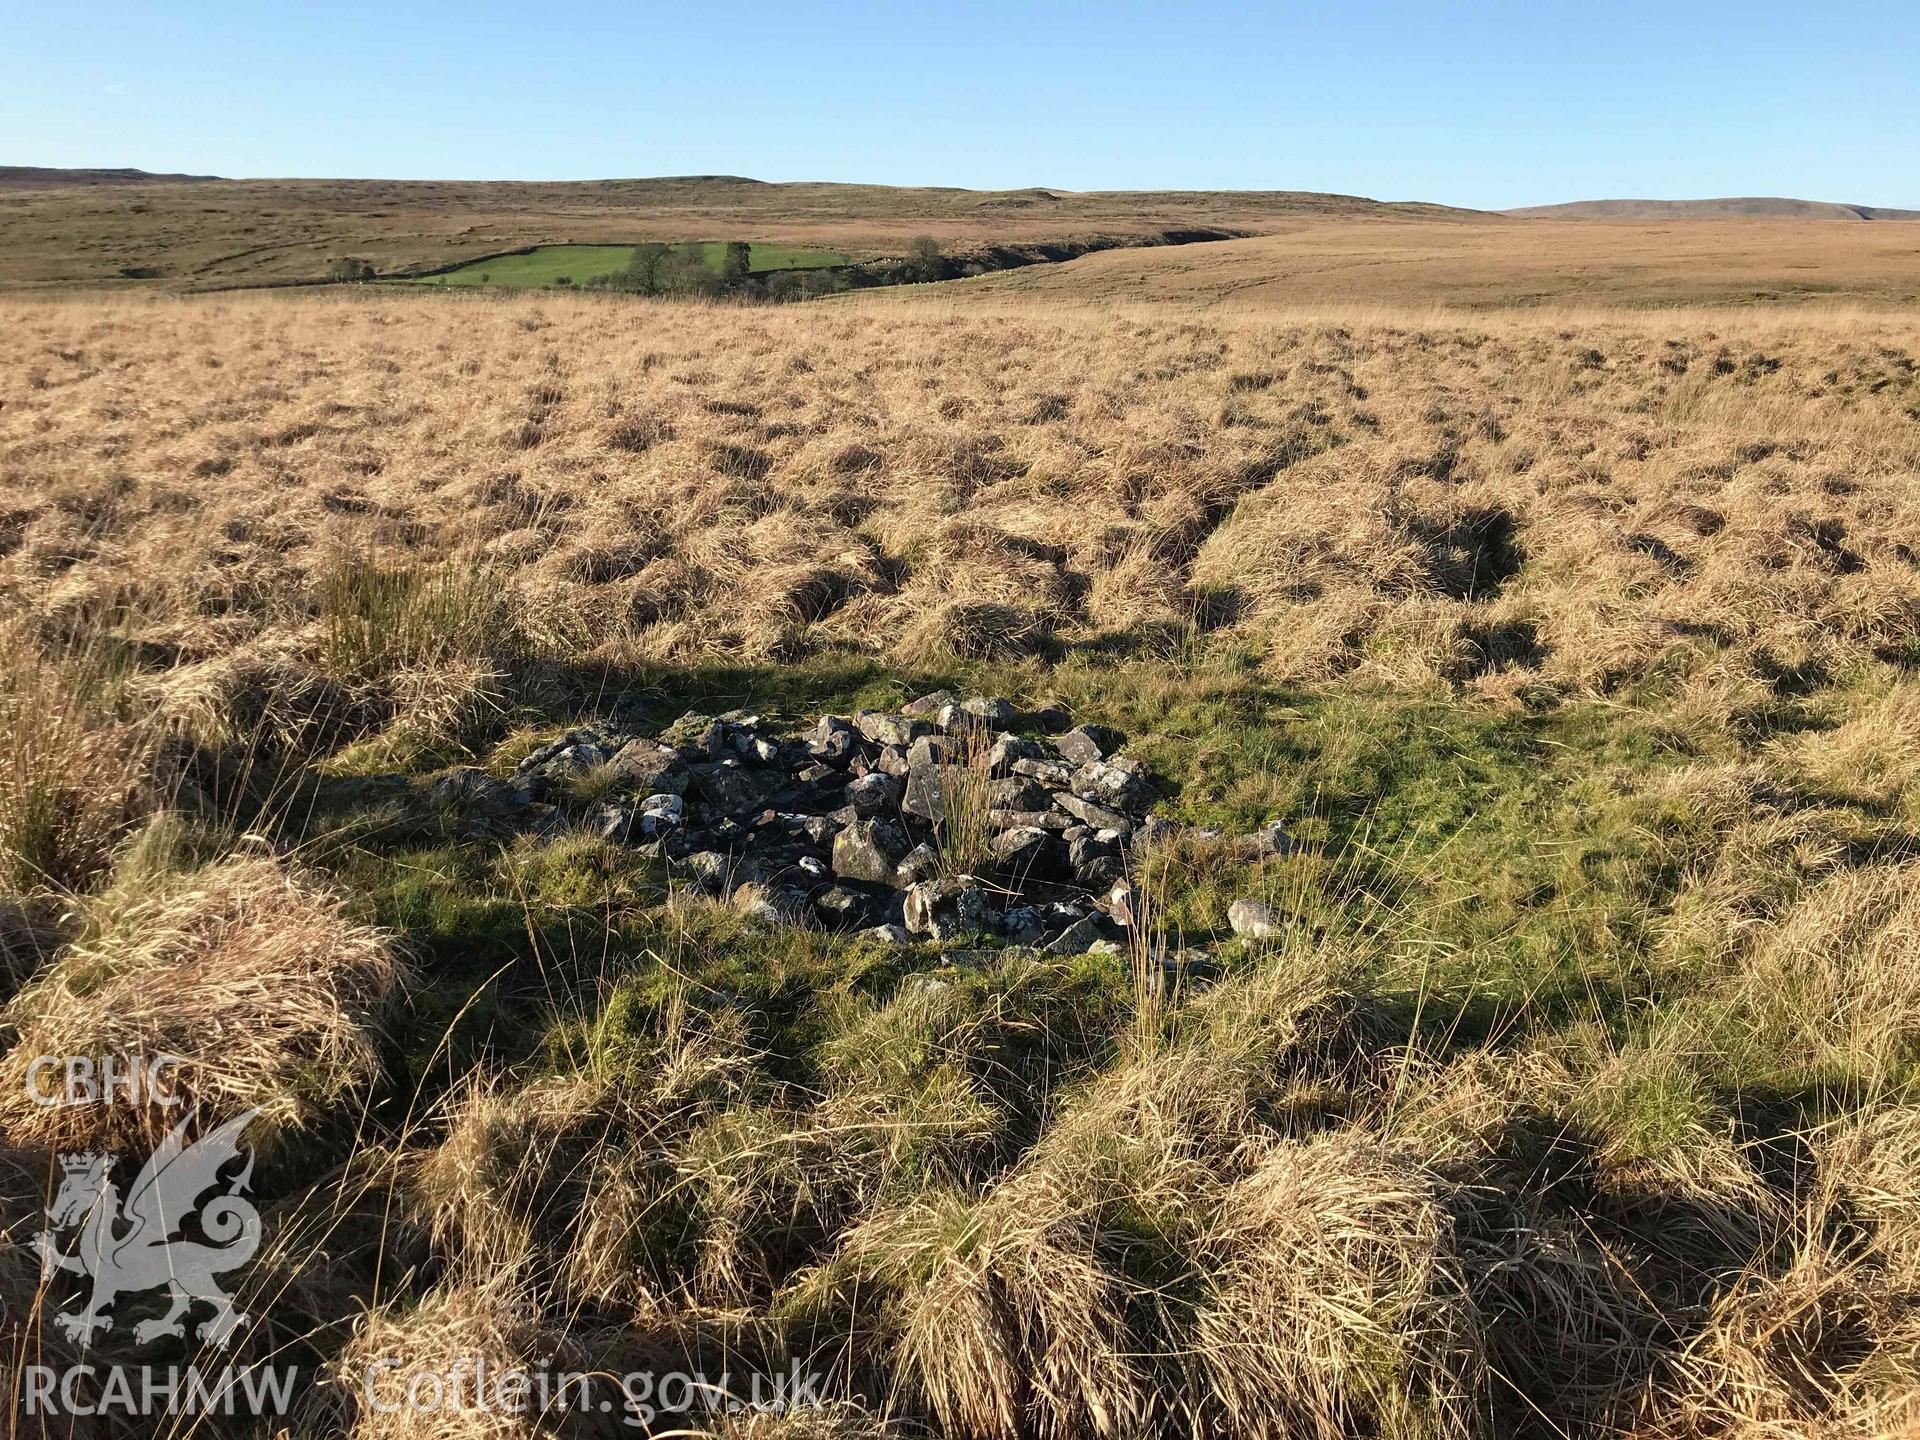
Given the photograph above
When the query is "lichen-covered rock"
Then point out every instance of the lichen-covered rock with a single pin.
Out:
(875, 794)
(1048, 773)
(1090, 813)
(1009, 749)
(842, 908)
(1252, 920)
(871, 851)
(922, 863)
(1078, 938)
(1118, 784)
(884, 729)
(947, 910)
(992, 711)
(926, 793)
(646, 767)
(708, 869)
(927, 705)
(1085, 743)
(834, 741)
(930, 750)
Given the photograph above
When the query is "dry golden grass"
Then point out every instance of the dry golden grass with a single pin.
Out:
(1018, 1198)
(251, 978)
(1556, 502)
(1486, 263)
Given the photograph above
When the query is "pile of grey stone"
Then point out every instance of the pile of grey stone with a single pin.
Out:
(843, 826)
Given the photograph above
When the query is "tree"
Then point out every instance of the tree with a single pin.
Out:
(686, 272)
(925, 260)
(349, 267)
(738, 263)
(644, 267)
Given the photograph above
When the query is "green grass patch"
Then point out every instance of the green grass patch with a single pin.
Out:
(763, 259)
(551, 265)
(545, 266)
(1520, 873)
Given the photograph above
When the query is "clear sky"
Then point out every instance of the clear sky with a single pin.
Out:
(1493, 104)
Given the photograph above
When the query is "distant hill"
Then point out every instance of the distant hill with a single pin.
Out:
(38, 177)
(1749, 207)
(64, 229)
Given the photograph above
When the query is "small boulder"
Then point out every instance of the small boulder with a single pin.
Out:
(1050, 773)
(1119, 783)
(947, 910)
(927, 706)
(648, 768)
(660, 814)
(842, 908)
(884, 729)
(1027, 819)
(1090, 813)
(875, 794)
(921, 863)
(926, 793)
(770, 904)
(1022, 925)
(1018, 793)
(1011, 748)
(1078, 938)
(991, 711)
(1271, 839)
(834, 741)
(708, 869)
(1049, 719)
(1153, 833)
(930, 750)
(616, 822)
(871, 851)
(466, 787)
(1085, 743)
(1027, 853)
(1252, 920)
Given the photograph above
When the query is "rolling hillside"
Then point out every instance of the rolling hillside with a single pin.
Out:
(44, 177)
(1491, 263)
(1751, 207)
(226, 233)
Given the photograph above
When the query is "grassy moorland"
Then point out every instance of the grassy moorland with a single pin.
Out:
(1573, 1095)
(228, 233)
(1500, 263)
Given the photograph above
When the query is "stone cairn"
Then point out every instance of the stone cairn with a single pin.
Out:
(843, 827)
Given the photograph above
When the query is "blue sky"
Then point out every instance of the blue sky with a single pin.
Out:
(1491, 104)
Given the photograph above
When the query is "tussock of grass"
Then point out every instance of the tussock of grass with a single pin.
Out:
(74, 773)
(378, 620)
(965, 782)
(251, 974)
(570, 1182)
(458, 1328)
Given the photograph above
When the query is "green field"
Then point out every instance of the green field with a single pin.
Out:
(547, 265)
(577, 264)
(776, 257)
